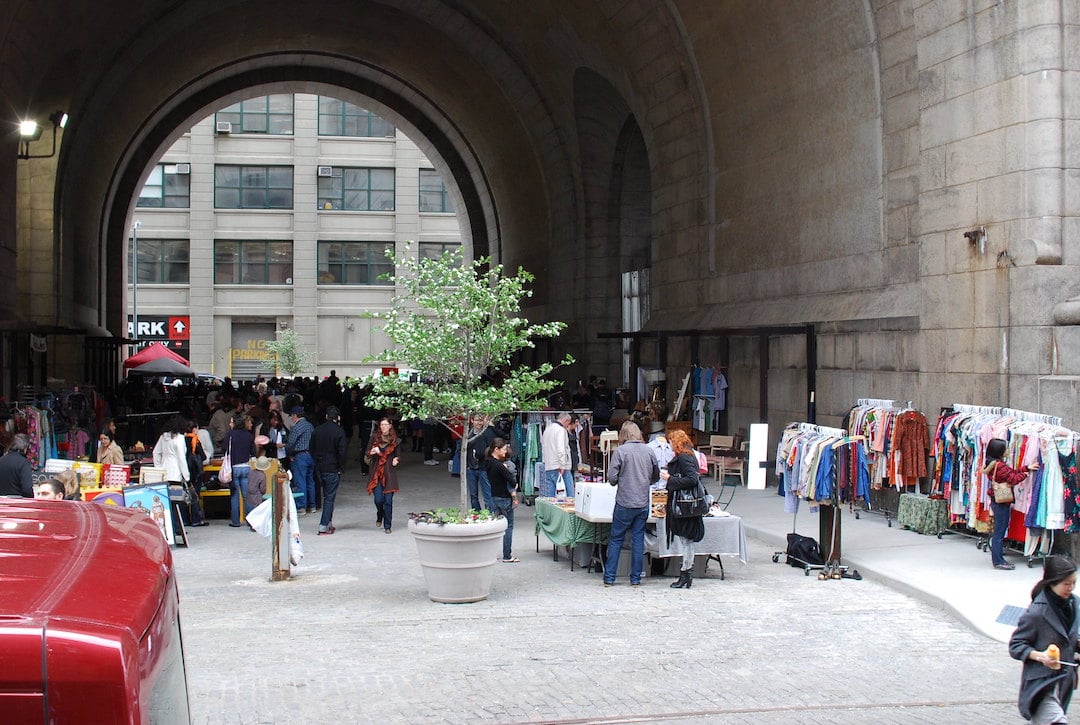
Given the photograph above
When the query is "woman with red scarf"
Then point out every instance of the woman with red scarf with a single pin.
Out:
(383, 459)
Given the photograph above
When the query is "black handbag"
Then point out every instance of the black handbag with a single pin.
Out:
(689, 502)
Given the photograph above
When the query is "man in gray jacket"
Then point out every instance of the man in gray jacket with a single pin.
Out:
(633, 469)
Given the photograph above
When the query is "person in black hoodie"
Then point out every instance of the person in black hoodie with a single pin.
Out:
(328, 449)
(15, 470)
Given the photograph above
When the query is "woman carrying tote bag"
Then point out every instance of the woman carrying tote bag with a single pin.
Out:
(682, 532)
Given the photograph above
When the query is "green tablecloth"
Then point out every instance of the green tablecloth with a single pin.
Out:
(563, 528)
(922, 514)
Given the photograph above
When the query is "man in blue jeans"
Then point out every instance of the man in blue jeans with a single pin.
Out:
(555, 452)
(328, 451)
(477, 482)
(633, 469)
(302, 464)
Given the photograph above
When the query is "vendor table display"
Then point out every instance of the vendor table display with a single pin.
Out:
(724, 535)
(558, 522)
(922, 514)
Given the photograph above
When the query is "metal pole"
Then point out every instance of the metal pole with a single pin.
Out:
(279, 535)
(135, 280)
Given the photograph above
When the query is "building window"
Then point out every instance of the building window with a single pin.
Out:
(354, 262)
(161, 261)
(435, 250)
(265, 114)
(338, 118)
(244, 262)
(253, 187)
(167, 187)
(357, 189)
(433, 196)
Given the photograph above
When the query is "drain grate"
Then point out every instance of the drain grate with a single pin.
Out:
(1010, 615)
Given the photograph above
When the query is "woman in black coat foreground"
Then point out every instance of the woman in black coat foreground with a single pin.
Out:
(1046, 685)
(682, 533)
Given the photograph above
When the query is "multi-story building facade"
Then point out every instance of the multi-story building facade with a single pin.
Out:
(274, 213)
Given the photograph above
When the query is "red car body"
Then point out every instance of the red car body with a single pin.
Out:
(89, 617)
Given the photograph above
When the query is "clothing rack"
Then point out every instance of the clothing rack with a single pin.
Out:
(1039, 548)
(828, 523)
(894, 464)
(884, 403)
(1008, 413)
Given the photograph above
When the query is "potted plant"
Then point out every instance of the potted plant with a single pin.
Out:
(459, 325)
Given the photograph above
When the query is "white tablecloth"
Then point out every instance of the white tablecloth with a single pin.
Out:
(724, 536)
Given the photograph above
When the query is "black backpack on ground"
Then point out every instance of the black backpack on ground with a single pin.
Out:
(804, 549)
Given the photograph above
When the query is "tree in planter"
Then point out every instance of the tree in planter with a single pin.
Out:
(459, 325)
(292, 358)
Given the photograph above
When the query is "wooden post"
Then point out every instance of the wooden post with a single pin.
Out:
(279, 536)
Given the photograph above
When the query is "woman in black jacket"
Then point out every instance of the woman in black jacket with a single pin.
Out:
(504, 482)
(682, 533)
(1046, 685)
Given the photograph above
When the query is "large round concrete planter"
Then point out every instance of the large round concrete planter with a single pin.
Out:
(458, 559)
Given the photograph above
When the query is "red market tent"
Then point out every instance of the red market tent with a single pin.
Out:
(154, 351)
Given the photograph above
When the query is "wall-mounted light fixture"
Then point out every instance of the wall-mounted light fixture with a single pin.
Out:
(30, 131)
(977, 238)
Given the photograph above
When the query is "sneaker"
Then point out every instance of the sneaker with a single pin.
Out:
(431, 462)
(1006, 566)
(302, 512)
(311, 510)
(609, 584)
(326, 533)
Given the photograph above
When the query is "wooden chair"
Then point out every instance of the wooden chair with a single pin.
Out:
(720, 447)
(729, 472)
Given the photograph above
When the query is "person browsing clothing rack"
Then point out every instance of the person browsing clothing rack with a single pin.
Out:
(998, 471)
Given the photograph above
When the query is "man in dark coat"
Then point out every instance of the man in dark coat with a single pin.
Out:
(328, 449)
(15, 470)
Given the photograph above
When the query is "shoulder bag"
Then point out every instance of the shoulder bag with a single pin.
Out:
(1003, 492)
(689, 502)
(685, 503)
(225, 474)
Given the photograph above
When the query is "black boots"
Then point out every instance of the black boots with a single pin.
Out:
(686, 580)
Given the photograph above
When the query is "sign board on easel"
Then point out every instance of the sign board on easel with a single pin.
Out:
(757, 454)
(674, 414)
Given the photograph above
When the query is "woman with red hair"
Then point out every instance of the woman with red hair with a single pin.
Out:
(682, 533)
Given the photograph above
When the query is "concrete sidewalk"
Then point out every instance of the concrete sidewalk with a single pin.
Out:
(950, 573)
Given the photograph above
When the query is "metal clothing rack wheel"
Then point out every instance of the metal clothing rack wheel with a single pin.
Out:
(889, 515)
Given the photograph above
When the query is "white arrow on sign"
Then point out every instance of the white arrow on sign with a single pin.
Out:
(179, 327)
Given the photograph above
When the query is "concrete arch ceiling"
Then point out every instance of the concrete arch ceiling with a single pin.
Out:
(193, 56)
(719, 93)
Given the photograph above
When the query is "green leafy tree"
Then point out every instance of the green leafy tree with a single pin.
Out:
(459, 325)
(292, 358)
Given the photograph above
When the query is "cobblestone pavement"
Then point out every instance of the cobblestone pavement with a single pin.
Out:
(353, 638)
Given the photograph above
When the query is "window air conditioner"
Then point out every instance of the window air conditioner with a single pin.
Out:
(183, 169)
(326, 171)
(224, 127)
